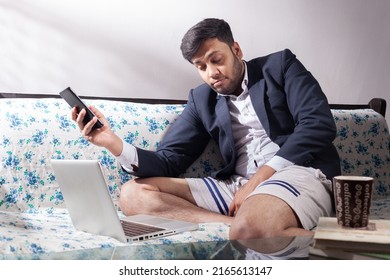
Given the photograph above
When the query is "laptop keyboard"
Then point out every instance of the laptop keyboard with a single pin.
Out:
(134, 229)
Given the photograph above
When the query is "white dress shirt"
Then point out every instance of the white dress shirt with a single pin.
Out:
(254, 147)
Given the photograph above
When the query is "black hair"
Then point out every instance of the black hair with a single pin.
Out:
(206, 29)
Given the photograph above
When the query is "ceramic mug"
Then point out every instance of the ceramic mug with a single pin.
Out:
(352, 195)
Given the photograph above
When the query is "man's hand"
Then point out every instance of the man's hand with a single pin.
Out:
(103, 137)
(262, 174)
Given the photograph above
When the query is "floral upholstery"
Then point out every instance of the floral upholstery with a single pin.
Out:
(37, 130)
(363, 143)
(33, 216)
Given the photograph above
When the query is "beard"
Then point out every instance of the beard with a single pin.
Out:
(233, 86)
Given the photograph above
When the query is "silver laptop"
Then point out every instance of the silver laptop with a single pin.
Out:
(92, 210)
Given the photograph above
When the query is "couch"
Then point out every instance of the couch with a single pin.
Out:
(36, 128)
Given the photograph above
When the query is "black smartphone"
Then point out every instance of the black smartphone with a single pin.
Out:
(74, 101)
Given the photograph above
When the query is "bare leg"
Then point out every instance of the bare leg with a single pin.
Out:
(265, 216)
(259, 216)
(166, 197)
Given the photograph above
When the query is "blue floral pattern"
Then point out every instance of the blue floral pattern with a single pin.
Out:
(35, 130)
(363, 143)
(33, 216)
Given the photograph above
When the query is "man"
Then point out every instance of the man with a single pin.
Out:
(274, 129)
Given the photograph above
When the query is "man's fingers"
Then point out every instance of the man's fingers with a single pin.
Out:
(95, 111)
(232, 209)
(74, 113)
(88, 127)
(80, 118)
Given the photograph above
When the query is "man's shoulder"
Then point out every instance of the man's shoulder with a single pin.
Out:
(203, 92)
(201, 104)
(272, 66)
(203, 88)
(272, 58)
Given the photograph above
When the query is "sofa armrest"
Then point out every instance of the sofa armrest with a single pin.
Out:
(376, 104)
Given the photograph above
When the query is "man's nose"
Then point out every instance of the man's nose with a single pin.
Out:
(213, 71)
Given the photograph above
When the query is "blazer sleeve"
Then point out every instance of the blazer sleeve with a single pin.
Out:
(314, 126)
(177, 150)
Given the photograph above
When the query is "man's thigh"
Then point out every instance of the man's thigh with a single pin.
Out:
(266, 213)
(295, 194)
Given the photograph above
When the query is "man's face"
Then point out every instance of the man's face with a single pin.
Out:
(220, 66)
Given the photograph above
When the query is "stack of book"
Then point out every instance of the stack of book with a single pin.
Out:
(375, 238)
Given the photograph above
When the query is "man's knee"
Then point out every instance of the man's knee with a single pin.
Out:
(132, 197)
(244, 228)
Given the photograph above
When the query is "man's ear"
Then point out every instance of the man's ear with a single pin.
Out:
(237, 50)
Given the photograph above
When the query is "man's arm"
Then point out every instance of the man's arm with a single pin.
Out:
(315, 128)
(102, 137)
(262, 174)
(182, 144)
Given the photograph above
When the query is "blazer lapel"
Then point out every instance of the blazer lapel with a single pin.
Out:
(226, 144)
(222, 111)
(257, 94)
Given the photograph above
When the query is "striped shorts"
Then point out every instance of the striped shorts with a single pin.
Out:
(306, 190)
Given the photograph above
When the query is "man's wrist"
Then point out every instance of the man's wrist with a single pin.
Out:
(116, 146)
(278, 163)
(128, 159)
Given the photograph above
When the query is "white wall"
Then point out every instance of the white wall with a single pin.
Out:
(131, 48)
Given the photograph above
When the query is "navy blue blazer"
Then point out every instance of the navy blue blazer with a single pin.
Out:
(289, 103)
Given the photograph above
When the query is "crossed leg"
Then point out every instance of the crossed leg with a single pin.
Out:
(259, 216)
(166, 197)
